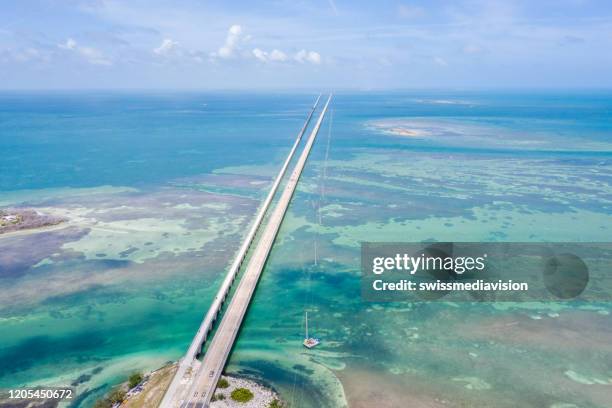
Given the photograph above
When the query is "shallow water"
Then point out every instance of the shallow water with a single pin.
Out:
(124, 287)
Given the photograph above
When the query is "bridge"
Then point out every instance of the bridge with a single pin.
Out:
(195, 391)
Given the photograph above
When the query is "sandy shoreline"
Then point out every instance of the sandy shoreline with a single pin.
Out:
(37, 230)
(400, 131)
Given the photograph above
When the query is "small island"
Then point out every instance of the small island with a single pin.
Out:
(19, 219)
(147, 390)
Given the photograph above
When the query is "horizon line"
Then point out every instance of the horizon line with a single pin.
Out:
(313, 89)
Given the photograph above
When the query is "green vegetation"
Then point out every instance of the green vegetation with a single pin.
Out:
(117, 395)
(134, 380)
(242, 395)
(103, 403)
(276, 404)
(218, 397)
(223, 383)
(7, 219)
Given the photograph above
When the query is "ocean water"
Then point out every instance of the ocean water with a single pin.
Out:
(159, 188)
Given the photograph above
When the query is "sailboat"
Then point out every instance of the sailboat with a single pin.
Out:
(310, 342)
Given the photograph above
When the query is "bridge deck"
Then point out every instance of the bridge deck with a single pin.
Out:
(205, 380)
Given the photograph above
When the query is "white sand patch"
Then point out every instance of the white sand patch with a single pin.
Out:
(212, 206)
(333, 210)
(46, 261)
(217, 206)
(586, 380)
(473, 383)
(144, 238)
(456, 131)
(186, 206)
(401, 131)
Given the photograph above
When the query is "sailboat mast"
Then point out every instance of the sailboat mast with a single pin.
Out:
(306, 324)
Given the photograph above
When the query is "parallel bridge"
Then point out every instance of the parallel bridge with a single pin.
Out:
(199, 389)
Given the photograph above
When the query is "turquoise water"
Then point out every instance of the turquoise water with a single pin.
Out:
(159, 188)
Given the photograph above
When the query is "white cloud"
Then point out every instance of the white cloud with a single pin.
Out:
(272, 56)
(314, 57)
(300, 56)
(232, 42)
(260, 55)
(232, 47)
(166, 47)
(91, 55)
(277, 55)
(70, 44)
(303, 56)
(173, 51)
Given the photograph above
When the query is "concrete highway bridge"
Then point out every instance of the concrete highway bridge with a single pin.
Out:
(194, 383)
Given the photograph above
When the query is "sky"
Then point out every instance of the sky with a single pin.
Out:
(299, 44)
